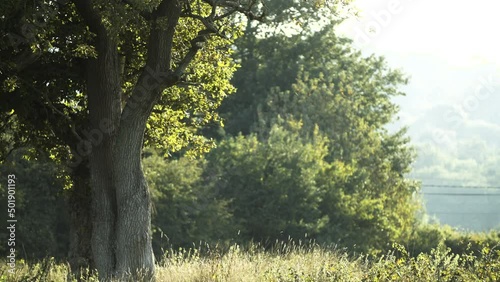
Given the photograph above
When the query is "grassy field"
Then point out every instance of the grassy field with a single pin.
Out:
(290, 262)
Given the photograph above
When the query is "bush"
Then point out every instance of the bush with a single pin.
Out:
(271, 185)
(40, 183)
(441, 264)
(427, 237)
(185, 209)
(462, 243)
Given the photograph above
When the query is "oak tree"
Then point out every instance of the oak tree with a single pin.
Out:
(90, 82)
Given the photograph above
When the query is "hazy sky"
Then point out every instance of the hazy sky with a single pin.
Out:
(449, 48)
(463, 32)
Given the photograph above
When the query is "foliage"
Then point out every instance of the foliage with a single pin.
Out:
(44, 270)
(438, 265)
(47, 99)
(189, 106)
(270, 185)
(318, 82)
(185, 209)
(427, 237)
(373, 197)
(462, 243)
(40, 182)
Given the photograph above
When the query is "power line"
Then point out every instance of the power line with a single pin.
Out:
(463, 213)
(461, 194)
(441, 179)
(459, 186)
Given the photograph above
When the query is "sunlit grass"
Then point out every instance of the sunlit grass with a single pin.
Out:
(291, 263)
(295, 262)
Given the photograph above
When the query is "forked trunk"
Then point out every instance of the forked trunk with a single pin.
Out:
(121, 220)
(121, 239)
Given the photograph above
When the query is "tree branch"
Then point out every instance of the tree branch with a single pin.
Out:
(160, 42)
(231, 6)
(196, 45)
(157, 74)
(238, 7)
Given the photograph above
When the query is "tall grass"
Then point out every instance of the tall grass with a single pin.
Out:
(296, 262)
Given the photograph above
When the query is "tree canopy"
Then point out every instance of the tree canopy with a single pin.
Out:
(317, 85)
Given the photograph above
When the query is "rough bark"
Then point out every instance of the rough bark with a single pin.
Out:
(134, 251)
(104, 96)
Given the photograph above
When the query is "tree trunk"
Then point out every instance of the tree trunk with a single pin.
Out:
(134, 251)
(104, 96)
(121, 240)
(121, 217)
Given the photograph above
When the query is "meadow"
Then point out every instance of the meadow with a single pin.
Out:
(294, 262)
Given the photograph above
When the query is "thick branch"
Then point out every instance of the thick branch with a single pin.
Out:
(238, 7)
(161, 39)
(231, 7)
(196, 45)
(156, 74)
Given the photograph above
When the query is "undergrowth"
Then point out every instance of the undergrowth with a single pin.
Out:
(295, 262)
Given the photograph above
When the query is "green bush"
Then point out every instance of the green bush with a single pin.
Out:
(185, 209)
(424, 238)
(42, 223)
(441, 264)
(271, 186)
(462, 243)
(427, 237)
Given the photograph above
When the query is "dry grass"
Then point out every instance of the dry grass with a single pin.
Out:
(295, 263)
